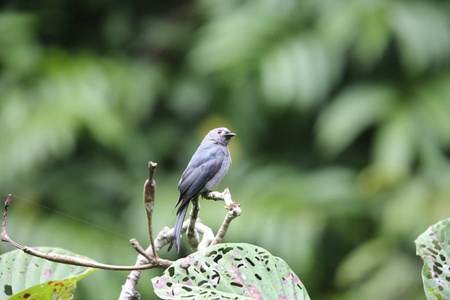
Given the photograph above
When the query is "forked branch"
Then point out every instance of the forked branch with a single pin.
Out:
(72, 260)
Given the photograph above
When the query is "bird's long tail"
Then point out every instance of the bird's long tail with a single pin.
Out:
(178, 226)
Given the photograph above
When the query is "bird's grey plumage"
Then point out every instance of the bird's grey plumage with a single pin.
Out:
(207, 167)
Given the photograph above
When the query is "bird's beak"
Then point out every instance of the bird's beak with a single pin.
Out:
(229, 135)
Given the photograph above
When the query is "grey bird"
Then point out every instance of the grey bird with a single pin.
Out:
(207, 167)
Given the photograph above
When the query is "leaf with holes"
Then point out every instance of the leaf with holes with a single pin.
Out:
(230, 271)
(433, 246)
(24, 276)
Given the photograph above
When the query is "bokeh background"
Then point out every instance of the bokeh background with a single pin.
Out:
(341, 109)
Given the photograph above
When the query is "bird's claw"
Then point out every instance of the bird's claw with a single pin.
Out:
(204, 194)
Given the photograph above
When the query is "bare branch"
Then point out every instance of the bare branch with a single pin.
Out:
(231, 215)
(149, 201)
(72, 260)
(134, 242)
(4, 235)
(234, 211)
(208, 234)
(128, 291)
(192, 234)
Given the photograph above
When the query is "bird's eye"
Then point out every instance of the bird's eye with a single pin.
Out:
(219, 132)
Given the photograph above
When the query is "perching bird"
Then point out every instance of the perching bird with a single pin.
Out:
(207, 167)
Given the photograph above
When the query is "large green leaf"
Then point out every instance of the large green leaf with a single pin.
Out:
(433, 246)
(24, 276)
(230, 271)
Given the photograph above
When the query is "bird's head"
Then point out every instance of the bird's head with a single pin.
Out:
(220, 135)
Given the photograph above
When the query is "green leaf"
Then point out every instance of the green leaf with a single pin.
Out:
(224, 44)
(351, 113)
(374, 34)
(368, 257)
(433, 104)
(25, 276)
(394, 147)
(433, 246)
(403, 213)
(423, 34)
(19, 51)
(301, 69)
(225, 271)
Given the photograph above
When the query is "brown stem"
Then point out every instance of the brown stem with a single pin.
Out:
(231, 215)
(192, 234)
(149, 201)
(234, 212)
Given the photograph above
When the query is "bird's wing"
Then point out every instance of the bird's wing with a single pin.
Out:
(202, 167)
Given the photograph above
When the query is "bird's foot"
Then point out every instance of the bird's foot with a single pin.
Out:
(205, 193)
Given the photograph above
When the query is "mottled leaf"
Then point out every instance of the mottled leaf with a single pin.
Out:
(433, 246)
(230, 271)
(24, 276)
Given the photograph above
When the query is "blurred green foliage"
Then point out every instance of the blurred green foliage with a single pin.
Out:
(341, 109)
